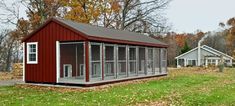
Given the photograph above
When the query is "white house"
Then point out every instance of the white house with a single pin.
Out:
(206, 56)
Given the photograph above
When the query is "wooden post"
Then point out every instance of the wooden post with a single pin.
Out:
(87, 60)
(185, 64)
(102, 63)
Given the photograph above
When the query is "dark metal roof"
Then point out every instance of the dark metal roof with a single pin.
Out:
(96, 31)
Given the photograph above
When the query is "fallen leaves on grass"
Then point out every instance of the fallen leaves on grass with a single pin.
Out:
(157, 103)
(6, 76)
(51, 88)
(86, 89)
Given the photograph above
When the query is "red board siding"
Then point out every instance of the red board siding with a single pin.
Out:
(45, 70)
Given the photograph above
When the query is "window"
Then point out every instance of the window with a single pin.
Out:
(227, 61)
(32, 53)
(192, 62)
(211, 62)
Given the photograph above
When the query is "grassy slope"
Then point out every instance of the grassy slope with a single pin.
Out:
(179, 88)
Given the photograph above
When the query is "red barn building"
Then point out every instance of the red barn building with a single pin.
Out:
(65, 52)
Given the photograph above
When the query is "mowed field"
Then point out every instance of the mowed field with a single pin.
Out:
(185, 86)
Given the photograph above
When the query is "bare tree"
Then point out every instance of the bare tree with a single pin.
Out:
(40, 10)
(5, 50)
(10, 39)
(143, 16)
(11, 12)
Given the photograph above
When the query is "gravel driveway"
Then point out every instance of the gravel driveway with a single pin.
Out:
(10, 82)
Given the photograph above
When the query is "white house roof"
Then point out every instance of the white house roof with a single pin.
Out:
(206, 48)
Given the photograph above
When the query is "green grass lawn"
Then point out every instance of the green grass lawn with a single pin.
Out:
(180, 87)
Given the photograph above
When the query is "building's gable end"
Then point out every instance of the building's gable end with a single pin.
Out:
(54, 21)
(45, 69)
(219, 52)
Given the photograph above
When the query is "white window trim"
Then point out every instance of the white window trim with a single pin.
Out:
(24, 61)
(32, 62)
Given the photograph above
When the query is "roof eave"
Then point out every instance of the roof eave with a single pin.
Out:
(126, 42)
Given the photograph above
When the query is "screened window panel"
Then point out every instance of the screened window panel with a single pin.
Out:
(109, 53)
(109, 61)
(150, 61)
(122, 68)
(121, 53)
(132, 54)
(80, 61)
(132, 60)
(96, 61)
(157, 60)
(95, 51)
(164, 60)
(109, 69)
(141, 60)
(122, 61)
(74, 55)
(96, 69)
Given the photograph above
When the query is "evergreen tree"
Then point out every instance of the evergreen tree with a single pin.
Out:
(186, 48)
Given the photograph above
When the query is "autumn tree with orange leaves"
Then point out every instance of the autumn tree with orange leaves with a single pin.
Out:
(90, 11)
(230, 35)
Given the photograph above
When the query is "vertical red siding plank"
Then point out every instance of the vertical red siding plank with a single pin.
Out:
(35, 70)
(38, 70)
(54, 53)
(50, 54)
(44, 40)
(40, 54)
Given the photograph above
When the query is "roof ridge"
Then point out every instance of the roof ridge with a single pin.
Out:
(59, 18)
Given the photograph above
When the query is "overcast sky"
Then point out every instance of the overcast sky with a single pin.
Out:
(190, 15)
